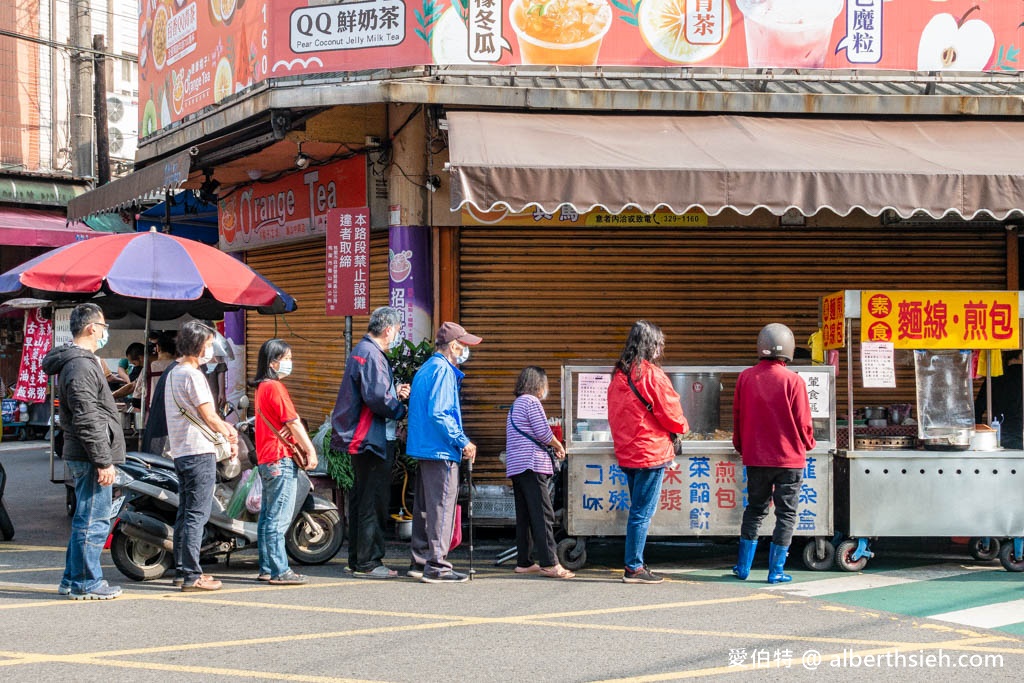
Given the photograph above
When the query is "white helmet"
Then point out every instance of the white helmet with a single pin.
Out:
(776, 341)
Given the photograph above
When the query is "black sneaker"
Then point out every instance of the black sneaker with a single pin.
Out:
(447, 577)
(642, 575)
(104, 591)
(415, 571)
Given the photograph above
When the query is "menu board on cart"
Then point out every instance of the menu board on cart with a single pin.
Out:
(819, 392)
(592, 395)
(877, 368)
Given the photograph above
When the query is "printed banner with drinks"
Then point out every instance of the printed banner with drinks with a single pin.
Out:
(195, 54)
(941, 320)
(410, 281)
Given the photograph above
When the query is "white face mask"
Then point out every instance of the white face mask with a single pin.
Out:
(463, 357)
(396, 342)
(207, 355)
(284, 368)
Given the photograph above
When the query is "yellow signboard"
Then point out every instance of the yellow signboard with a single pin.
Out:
(941, 320)
(567, 217)
(833, 320)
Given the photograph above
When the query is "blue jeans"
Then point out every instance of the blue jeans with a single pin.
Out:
(644, 493)
(89, 529)
(279, 485)
(197, 477)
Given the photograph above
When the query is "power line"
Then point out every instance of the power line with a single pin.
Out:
(65, 46)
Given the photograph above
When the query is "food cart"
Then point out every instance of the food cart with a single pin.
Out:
(930, 476)
(705, 496)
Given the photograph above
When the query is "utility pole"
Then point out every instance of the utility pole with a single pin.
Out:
(100, 107)
(81, 91)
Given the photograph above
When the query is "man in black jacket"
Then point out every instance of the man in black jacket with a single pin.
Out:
(93, 444)
(367, 400)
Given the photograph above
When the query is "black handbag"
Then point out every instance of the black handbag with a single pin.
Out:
(677, 439)
(548, 449)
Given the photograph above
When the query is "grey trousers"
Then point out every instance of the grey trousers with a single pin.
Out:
(433, 515)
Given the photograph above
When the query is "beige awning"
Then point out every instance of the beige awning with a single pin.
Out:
(524, 161)
(149, 183)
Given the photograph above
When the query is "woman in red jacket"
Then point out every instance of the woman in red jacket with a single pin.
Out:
(643, 412)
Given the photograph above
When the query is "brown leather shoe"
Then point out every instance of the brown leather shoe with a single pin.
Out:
(203, 583)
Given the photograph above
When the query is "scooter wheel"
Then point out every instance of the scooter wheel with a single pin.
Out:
(1010, 562)
(6, 525)
(137, 559)
(314, 537)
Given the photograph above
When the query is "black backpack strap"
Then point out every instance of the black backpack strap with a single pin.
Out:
(647, 404)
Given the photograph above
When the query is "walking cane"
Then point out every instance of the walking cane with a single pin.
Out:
(471, 569)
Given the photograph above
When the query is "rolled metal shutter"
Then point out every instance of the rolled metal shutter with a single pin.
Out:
(317, 341)
(545, 297)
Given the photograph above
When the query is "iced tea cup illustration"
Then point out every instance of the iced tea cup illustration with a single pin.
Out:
(560, 31)
(788, 33)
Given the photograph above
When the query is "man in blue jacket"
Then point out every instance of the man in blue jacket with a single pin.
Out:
(367, 400)
(438, 444)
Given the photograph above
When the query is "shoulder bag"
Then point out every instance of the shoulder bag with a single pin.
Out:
(677, 439)
(298, 455)
(221, 447)
(547, 449)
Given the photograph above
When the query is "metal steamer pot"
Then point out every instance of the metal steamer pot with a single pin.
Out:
(953, 440)
(700, 395)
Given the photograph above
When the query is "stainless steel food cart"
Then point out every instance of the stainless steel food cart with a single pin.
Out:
(705, 495)
(907, 491)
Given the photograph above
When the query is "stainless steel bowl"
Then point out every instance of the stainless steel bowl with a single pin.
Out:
(875, 413)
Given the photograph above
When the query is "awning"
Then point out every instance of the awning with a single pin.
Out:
(150, 183)
(42, 191)
(712, 163)
(29, 228)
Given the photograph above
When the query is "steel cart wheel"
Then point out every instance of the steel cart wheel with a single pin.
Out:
(983, 549)
(844, 557)
(1010, 562)
(572, 553)
(816, 560)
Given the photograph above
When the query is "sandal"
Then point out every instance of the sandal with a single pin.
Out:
(532, 569)
(556, 572)
(203, 583)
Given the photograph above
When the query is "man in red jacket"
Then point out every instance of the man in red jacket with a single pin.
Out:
(772, 431)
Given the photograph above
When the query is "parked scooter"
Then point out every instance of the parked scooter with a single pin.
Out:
(146, 504)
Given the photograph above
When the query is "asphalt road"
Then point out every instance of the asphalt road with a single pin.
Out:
(501, 626)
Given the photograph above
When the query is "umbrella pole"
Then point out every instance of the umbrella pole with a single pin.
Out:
(144, 375)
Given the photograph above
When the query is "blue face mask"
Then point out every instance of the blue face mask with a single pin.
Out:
(102, 341)
(396, 342)
(284, 368)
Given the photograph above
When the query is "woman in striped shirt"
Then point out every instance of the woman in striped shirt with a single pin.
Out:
(529, 466)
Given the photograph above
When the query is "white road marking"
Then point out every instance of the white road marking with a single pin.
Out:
(857, 582)
(986, 616)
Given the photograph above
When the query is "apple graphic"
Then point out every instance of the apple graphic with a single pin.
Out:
(951, 45)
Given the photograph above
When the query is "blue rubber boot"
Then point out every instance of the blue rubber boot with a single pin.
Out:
(776, 561)
(742, 568)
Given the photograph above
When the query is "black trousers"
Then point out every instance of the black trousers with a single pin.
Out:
(535, 519)
(368, 509)
(782, 486)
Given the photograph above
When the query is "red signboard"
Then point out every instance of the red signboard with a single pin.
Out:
(291, 208)
(31, 387)
(347, 289)
(194, 54)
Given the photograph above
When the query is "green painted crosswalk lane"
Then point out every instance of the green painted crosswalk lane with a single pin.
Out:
(979, 595)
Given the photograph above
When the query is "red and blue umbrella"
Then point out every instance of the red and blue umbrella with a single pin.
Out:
(124, 272)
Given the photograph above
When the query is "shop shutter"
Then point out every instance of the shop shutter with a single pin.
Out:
(317, 341)
(545, 297)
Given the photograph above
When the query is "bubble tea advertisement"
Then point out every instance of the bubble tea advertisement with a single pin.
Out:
(194, 54)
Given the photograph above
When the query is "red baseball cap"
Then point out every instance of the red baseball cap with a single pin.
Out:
(450, 331)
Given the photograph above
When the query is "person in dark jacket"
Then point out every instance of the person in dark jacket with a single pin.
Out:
(368, 403)
(1006, 401)
(93, 444)
(772, 431)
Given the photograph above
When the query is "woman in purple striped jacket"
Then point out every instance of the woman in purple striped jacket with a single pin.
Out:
(529, 466)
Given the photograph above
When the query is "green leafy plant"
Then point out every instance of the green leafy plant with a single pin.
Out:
(339, 463)
(405, 360)
(630, 9)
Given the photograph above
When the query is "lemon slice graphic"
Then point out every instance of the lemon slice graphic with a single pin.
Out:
(222, 80)
(663, 28)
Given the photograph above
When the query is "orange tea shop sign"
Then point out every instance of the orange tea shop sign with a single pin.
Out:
(941, 320)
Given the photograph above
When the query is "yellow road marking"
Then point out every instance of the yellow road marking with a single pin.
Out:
(753, 597)
(28, 570)
(31, 548)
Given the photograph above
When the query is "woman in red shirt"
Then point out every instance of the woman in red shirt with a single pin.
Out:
(277, 468)
(643, 413)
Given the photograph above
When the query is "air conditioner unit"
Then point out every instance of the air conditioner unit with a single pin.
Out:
(122, 125)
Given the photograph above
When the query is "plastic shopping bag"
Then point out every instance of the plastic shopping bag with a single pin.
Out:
(457, 529)
(236, 505)
(254, 500)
